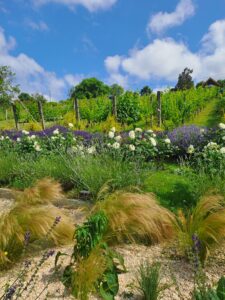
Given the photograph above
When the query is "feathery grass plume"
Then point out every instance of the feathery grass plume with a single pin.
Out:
(135, 217)
(45, 191)
(87, 274)
(33, 211)
(149, 280)
(206, 221)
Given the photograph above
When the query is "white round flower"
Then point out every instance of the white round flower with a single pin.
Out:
(118, 138)
(91, 150)
(33, 136)
(53, 137)
(111, 134)
(116, 145)
(222, 150)
(56, 131)
(18, 139)
(37, 147)
(138, 130)
(113, 129)
(167, 141)
(212, 145)
(132, 134)
(25, 132)
(132, 147)
(70, 125)
(149, 131)
(7, 138)
(223, 138)
(202, 130)
(153, 141)
(81, 147)
(222, 126)
(2, 138)
(190, 149)
(109, 145)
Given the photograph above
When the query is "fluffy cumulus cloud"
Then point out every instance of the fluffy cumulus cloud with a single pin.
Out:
(91, 5)
(30, 75)
(161, 21)
(166, 58)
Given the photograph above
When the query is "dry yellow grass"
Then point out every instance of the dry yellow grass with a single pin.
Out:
(134, 217)
(33, 212)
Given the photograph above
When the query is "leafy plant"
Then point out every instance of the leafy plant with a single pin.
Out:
(211, 293)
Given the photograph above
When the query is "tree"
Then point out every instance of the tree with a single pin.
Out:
(89, 88)
(116, 90)
(146, 90)
(7, 89)
(25, 97)
(185, 81)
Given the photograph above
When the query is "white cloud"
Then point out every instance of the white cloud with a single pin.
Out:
(91, 5)
(39, 26)
(164, 59)
(113, 64)
(31, 76)
(161, 21)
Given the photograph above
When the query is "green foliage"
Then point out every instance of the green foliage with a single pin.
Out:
(146, 90)
(149, 281)
(116, 90)
(95, 110)
(89, 88)
(185, 81)
(211, 293)
(128, 108)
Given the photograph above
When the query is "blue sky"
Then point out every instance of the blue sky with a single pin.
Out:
(54, 44)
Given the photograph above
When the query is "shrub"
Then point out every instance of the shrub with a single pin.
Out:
(133, 216)
(128, 108)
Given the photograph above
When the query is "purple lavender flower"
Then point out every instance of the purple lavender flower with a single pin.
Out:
(10, 292)
(57, 220)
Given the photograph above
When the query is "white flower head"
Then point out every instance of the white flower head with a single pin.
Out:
(25, 132)
(223, 138)
(222, 150)
(190, 149)
(109, 145)
(154, 135)
(113, 129)
(118, 138)
(138, 130)
(116, 145)
(132, 134)
(33, 136)
(212, 145)
(222, 126)
(53, 137)
(37, 147)
(18, 139)
(91, 150)
(111, 134)
(70, 125)
(132, 147)
(149, 131)
(202, 130)
(153, 141)
(56, 131)
(167, 141)
(2, 138)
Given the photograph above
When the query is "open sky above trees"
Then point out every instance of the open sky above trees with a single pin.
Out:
(54, 44)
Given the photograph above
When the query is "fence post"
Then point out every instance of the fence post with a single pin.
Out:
(15, 115)
(159, 109)
(151, 114)
(114, 106)
(76, 109)
(40, 109)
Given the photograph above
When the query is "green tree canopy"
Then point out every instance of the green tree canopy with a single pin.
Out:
(146, 90)
(185, 81)
(89, 88)
(116, 90)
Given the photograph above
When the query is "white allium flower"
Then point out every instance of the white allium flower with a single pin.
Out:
(202, 130)
(37, 147)
(109, 145)
(56, 131)
(70, 125)
(33, 136)
(167, 141)
(153, 141)
(222, 126)
(18, 139)
(132, 134)
(116, 145)
(91, 150)
(190, 149)
(7, 138)
(132, 147)
(2, 138)
(149, 131)
(113, 129)
(111, 134)
(138, 130)
(222, 150)
(212, 145)
(118, 138)
(25, 132)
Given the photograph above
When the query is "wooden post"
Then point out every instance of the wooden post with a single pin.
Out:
(159, 109)
(40, 109)
(151, 114)
(15, 115)
(76, 109)
(114, 106)
(6, 114)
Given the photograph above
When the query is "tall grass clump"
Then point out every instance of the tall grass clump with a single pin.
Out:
(149, 281)
(135, 217)
(33, 211)
(206, 222)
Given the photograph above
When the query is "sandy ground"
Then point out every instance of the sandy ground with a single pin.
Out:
(177, 273)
